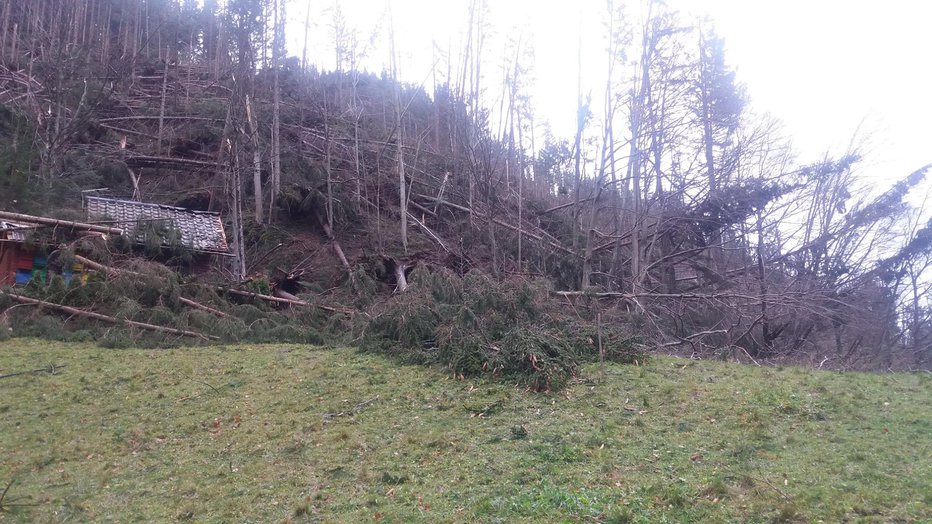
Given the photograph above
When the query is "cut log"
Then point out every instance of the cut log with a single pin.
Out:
(105, 318)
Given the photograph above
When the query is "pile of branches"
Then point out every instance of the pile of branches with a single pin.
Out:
(143, 303)
(477, 325)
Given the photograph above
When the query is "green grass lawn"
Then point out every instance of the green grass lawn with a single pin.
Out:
(295, 433)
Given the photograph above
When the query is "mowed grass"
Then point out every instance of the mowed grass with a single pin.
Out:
(295, 433)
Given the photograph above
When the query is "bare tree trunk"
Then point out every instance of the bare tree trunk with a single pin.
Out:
(256, 160)
(328, 165)
(357, 114)
(307, 25)
(399, 142)
(512, 111)
(162, 105)
(233, 190)
(277, 45)
(577, 148)
(7, 4)
(637, 115)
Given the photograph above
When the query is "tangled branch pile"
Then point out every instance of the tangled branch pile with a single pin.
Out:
(477, 325)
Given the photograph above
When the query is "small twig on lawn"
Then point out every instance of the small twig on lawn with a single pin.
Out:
(778, 490)
(353, 411)
(760, 479)
(189, 377)
(5, 490)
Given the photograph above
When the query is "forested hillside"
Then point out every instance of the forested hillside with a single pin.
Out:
(676, 218)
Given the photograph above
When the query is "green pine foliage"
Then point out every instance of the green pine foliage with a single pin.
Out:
(476, 325)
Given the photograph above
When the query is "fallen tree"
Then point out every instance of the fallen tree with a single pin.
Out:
(105, 318)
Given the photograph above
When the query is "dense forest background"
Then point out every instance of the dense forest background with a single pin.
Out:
(675, 214)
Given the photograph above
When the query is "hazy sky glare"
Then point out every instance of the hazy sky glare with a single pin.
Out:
(826, 68)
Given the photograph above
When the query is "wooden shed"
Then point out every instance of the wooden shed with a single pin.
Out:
(200, 231)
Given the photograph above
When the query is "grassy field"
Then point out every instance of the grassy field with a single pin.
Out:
(295, 433)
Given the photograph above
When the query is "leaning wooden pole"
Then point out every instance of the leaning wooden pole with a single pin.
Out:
(105, 318)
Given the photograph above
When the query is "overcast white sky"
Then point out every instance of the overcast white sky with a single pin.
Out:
(824, 67)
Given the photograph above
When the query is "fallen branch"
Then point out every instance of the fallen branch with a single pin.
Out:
(681, 296)
(689, 338)
(267, 298)
(157, 117)
(289, 301)
(164, 161)
(202, 307)
(5, 491)
(562, 206)
(104, 269)
(520, 231)
(50, 369)
(427, 230)
(106, 318)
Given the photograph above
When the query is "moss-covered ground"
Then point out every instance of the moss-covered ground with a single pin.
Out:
(296, 433)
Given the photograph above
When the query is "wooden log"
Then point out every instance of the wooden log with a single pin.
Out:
(105, 318)
(81, 226)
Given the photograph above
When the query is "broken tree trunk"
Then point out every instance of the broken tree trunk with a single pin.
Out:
(402, 282)
(105, 318)
(328, 231)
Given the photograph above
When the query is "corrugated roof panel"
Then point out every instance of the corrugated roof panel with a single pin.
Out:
(200, 230)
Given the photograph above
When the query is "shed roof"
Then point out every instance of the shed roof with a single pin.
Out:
(202, 231)
(14, 231)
